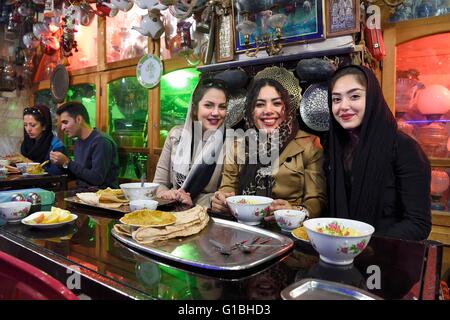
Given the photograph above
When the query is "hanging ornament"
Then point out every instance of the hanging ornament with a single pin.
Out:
(68, 42)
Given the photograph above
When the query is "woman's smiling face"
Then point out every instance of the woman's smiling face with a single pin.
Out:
(348, 98)
(212, 109)
(269, 111)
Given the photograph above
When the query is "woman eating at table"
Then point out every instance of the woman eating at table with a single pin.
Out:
(187, 169)
(296, 177)
(376, 173)
(38, 138)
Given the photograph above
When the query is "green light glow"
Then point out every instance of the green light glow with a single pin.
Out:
(181, 78)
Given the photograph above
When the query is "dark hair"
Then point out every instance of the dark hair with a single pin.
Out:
(202, 87)
(253, 93)
(354, 71)
(40, 113)
(74, 109)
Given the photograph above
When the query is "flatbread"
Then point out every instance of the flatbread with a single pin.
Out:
(95, 199)
(188, 223)
(110, 192)
(89, 198)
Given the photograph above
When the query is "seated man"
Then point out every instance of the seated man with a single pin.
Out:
(96, 161)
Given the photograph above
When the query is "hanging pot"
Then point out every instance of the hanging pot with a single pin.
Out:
(315, 70)
(235, 79)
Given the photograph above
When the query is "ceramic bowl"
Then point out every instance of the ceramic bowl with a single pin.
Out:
(14, 211)
(340, 250)
(249, 209)
(143, 204)
(134, 191)
(289, 219)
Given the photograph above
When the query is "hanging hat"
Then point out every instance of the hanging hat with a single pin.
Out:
(286, 79)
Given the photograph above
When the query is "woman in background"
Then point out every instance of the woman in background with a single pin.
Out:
(38, 138)
(376, 173)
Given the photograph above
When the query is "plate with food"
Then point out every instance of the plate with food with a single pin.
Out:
(148, 218)
(300, 234)
(35, 174)
(49, 219)
(35, 170)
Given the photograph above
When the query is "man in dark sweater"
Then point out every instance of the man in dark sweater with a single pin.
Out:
(96, 160)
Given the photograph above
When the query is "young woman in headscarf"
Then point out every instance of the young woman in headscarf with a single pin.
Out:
(376, 173)
(38, 138)
(295, 177)
(188, 170)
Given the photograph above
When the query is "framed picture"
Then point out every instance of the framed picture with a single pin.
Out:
(342, 17)
(224, 37)
(304, 22)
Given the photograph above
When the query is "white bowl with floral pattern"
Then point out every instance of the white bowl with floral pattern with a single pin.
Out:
(14, 211)
(326, 236)
(289, 219)
(249, 209)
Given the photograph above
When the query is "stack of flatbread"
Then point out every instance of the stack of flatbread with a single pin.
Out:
(108, 198)
(187, 223)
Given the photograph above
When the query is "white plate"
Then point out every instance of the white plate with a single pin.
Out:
(149, 71)
(34, 174)
(27, 220)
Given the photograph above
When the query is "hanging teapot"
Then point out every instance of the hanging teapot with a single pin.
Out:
(152, 5)
(123, 5)
(105, 11)
(151, 25)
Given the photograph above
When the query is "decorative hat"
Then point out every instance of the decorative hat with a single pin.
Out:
(286, 79)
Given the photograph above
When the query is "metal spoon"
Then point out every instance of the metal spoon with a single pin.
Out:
(222, 249)
(249, 248)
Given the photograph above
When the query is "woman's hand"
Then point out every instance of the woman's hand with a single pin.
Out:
(219, 202)
(185, 197)
(176, 195)
(280, 204)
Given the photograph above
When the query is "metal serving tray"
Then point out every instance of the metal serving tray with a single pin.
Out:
(122, 209)
(198, 251)
(316, 289)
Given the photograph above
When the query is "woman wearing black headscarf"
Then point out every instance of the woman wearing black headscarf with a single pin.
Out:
(376, 173)
(39, 139)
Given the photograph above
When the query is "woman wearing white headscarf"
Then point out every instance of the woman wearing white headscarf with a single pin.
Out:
(187, 169)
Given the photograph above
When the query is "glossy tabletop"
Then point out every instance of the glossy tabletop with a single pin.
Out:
(388, 268)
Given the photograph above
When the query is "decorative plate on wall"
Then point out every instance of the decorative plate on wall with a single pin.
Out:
(314, 107)
(149, 71)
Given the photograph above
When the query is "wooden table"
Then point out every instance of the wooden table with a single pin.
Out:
(18, 181)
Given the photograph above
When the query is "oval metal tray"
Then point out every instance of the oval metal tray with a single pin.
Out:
(316, 289)
(198, 251)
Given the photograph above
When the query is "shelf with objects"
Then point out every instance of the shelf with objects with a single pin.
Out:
(416, 84)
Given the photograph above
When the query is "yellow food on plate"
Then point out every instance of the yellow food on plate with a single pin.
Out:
(56, 215)
(35, 169)
(145, 217)
(110, 192)
(300, 233)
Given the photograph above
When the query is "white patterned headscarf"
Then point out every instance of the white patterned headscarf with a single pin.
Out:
(187, 167)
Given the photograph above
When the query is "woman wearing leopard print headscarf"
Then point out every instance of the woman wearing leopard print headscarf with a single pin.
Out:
(274, 158)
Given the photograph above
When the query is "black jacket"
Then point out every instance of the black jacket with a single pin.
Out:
(405, 200)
